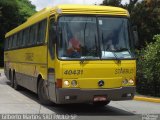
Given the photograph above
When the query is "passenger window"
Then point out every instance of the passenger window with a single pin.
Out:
(14, 41)
(17, 42)
(10, 42)
(33, 35)
(41, 31)
(19, 39)
(26, 37)
(23, 38)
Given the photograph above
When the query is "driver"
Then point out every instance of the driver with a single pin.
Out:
(74, 47)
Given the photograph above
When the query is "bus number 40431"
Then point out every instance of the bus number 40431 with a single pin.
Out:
(73, 72)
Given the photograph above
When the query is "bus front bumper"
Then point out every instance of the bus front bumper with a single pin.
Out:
(72, 95)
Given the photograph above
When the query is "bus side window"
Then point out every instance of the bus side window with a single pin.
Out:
(26, 37)
(11, 42)
(20, 39)
(33, 35)
(14, 41)
(23, 39)
(41, 31)
(17, 42)
(52, 37)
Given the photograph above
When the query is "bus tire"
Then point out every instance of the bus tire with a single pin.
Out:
(42, 93)
(101, 104)
(11, 79)
(16, 86)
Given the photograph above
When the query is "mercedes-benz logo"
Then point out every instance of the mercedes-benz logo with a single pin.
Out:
(101, 83)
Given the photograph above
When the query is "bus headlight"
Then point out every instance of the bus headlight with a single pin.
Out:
(66, 83)
(128, 82)
(74, 83)
(131, 81)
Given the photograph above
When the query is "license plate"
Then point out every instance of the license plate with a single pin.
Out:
(100, 98)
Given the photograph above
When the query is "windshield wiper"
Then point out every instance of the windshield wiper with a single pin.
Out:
(113, 51)
(120, 50)
(109, 49)
(123, 49)
(92, 52)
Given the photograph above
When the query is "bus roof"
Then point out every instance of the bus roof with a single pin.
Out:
(70, 9)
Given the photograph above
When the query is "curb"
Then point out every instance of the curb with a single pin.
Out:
(147, 99)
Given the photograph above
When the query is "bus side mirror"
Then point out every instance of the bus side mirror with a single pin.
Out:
(135, 36)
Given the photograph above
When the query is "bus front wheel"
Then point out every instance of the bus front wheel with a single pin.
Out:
(42, 93)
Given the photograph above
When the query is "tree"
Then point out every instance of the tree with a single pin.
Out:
(146, 16)
(148, 73)
(0, 12)
(12, 14)
(26, 9)
(116, 3)
(131, 5)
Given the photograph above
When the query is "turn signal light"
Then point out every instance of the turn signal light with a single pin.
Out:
(59, 83)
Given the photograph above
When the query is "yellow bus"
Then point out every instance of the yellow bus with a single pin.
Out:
(73, 54)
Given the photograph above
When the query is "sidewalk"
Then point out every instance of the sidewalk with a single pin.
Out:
(147, 98)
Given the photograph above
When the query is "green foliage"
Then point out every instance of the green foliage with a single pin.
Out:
(26, 9)
(12, 14)
(116, 3)
(149, 65)
(150, 62)
(147, 18)
(0, 11)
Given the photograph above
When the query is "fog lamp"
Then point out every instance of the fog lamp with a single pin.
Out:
(74, 83)
(124, 82)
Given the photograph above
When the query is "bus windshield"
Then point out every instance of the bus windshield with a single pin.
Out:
(92, 37)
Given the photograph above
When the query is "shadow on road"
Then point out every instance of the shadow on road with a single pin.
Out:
(87, 109)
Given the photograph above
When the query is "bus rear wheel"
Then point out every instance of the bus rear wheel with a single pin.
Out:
(42, 93)
(16, 86)
(11, 79)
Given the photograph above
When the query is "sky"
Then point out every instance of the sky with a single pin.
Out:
(40, 4)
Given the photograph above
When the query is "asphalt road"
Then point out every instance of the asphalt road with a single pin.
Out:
(26, 102)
